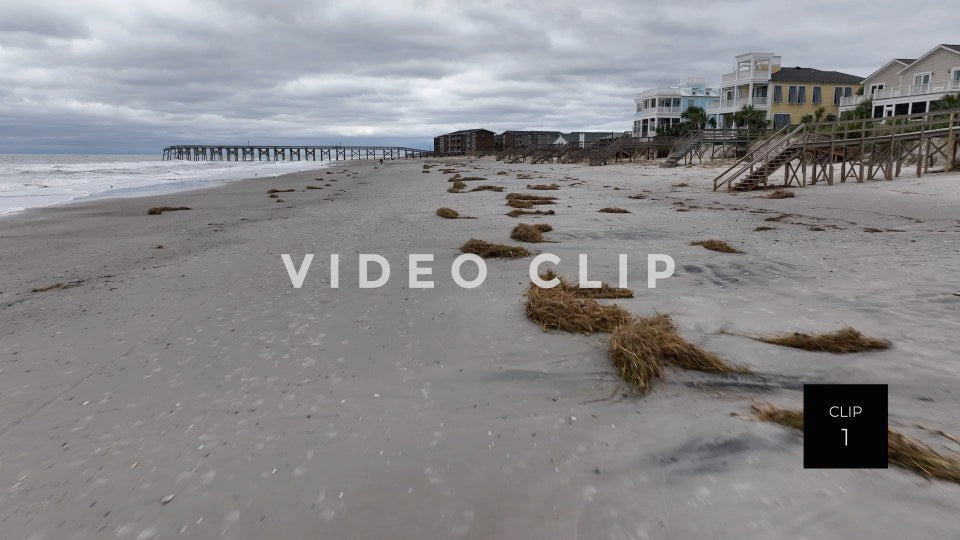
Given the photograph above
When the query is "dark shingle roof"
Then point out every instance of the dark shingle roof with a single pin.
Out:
(905, 60)
(802, 74)
(954, 47)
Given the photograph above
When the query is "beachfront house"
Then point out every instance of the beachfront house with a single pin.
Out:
(464, 141)
(662, 107)
(909, 86)
(783, 95)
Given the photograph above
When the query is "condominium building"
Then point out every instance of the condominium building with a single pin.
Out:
(528, 139)
(463, 141)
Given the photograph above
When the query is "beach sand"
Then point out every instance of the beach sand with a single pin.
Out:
(197, 371)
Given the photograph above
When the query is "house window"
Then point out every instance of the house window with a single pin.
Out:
(801, 94)
(921, 79)
(955, 77)
(837, 93)
(792, 94)
(817, 97)
(781, 120)
(847, 91)
(778, 94)
(874, 88)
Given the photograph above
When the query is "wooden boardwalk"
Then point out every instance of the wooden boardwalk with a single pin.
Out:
(856, 150)
(220, 152)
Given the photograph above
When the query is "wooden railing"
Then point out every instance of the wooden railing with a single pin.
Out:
(896, 126)
(844, 133)
(762, 152)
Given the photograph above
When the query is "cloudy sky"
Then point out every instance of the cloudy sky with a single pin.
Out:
(131, 76)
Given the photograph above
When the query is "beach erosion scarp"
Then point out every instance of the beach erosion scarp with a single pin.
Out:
(177, 359)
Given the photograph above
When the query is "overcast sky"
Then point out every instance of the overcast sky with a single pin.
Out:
(133, 76)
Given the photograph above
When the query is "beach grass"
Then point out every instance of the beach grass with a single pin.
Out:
(716, 245)
(489, 250)
(603, 291)
(902, 451)
(158, 210)
(558, 308)
(517, 212)
(525, 232)
(779, 194)
(845, 340)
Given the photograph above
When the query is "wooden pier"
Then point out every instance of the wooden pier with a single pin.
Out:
(220, 152)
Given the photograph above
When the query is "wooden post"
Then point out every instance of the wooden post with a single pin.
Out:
(951, 145)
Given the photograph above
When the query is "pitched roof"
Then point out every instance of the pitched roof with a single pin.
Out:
(902, 61)
(462, 131)
(804, 74)
(953, 48)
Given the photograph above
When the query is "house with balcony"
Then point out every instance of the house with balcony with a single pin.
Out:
(747, 84)
(662, 107)
(800, 91)
(784, 95)
(908, 86)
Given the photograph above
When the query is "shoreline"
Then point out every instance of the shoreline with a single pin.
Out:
(158, 187)
(196, 370)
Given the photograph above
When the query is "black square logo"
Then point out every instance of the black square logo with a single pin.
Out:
(845, 426)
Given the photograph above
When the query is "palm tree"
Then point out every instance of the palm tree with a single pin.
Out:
(863, 111)
(695, 116)
(750, 118)
(946, 103)
(819, 114)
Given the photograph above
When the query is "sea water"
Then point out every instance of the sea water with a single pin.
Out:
(32, 180)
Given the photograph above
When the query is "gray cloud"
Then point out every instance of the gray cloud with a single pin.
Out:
(134, 76)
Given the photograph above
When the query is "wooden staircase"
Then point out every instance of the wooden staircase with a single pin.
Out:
(762, 173)
(549, 154)
(530, 152)
(762, 160)
(686, 145)
(617, 148)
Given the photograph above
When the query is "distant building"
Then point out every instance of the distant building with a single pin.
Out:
(909, 85)
(528, 139)
(784, 95)
(464, 141)
(662, 107)
(584, 138)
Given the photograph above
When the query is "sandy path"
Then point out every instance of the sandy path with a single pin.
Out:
(197, 371)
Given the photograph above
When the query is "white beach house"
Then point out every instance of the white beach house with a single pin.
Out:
(662, 107)
(908, 86)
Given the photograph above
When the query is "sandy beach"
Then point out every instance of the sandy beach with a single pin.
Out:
(189, 391)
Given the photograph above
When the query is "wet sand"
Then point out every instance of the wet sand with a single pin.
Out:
(196, 371)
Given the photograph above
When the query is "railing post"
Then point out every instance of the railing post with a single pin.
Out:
(951, 144)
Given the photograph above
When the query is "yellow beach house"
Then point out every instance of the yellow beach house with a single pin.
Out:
(785, 95)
